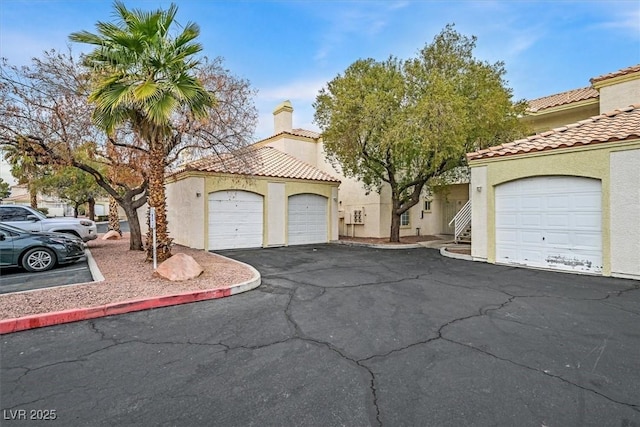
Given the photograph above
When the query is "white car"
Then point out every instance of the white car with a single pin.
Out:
(30, 219)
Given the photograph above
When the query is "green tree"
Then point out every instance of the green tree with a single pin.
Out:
(144, 76)
(45, 117)
(75, 186)
(5, 189)
(406, 123)
(25, 169)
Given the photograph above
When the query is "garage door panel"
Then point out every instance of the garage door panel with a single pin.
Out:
(530, 202)
(507, 219)
(506, 237)
(586, 201)
(507, 203)
(558, 239)
(235, 220)
(587, 220)
(558, 202)
(530, 220)
(307, 219)
(557, 220)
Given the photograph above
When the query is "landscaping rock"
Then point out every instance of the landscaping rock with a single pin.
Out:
(111, 235)
(179, 267)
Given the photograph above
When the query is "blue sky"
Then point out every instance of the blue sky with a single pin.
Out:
(290, 49)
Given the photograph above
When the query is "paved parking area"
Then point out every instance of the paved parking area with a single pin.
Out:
(349, 336)
(16, 279)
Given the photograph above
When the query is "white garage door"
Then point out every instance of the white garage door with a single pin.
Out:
(550, 222)
(235, 220)
(307, 216)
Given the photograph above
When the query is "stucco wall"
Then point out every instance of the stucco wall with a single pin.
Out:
(301, 148)
(276, 193)
(276, 217)
(479, 212)
(185, 211)
(544, 121)
(591, 162)
(625, 214)
(620, 95)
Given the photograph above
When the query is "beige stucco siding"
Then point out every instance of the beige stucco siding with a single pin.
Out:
(591, 162)
(479, 212)
(185, 211)
(619, 95)
(625, 214)
(276, 193)
(277, 224)
(560, 116)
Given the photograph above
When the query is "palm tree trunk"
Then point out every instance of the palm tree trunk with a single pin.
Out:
(92, 208)
(33, 197)
(114, 220)
(157, 163)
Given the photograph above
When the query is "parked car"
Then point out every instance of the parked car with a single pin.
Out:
(37, 251)
(30, 219)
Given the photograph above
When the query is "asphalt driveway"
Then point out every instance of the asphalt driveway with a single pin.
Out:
(349, 336)
(18, 280)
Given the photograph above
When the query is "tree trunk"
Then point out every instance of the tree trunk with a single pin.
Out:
(157, 163)
(33, 198)
(395, 227)
(135, 234)
(394, 235)
(114, 220)
(92, 208)
(76, 206)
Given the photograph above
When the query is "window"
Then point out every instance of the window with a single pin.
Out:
(427, 206)
(13, 214)
(404, 219)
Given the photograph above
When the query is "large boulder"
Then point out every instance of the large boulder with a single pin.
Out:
(111, 235)
(179, 267)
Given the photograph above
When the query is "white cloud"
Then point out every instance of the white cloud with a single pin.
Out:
(624, 20)
(299, 90)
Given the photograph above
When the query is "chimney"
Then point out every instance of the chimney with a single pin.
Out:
(283, 117)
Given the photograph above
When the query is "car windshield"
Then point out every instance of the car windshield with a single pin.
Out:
(38, 214)
(12, 228)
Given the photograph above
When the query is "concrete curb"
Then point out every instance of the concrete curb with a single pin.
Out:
(445, 252)
(8, 326)
(93, 267)
(381, 246)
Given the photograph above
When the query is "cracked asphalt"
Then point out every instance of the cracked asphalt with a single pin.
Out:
(348, 336)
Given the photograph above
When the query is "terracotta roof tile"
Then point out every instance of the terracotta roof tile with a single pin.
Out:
(563, 98)
(305, 133)
(617, 125)
(623, 72)
(260, 161)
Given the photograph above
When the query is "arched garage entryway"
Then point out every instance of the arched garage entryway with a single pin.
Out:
(307, 219)
(235, 220)
(550, 222)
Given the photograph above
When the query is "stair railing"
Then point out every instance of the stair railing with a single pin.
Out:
(461, 220)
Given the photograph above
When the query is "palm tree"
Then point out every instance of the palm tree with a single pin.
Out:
(25, 169)
(144, 76)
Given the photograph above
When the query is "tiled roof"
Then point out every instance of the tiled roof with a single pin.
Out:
(563, 98)
(305, 133)
(623, 72)
(260, 161)
(618, 125)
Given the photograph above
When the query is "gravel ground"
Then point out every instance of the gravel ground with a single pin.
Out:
(127, 277)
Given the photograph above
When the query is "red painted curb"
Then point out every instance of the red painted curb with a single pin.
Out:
(8, 326)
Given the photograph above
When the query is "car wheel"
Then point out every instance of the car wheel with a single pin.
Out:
(39, 259)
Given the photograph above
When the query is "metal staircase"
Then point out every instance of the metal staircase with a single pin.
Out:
(462, 224)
